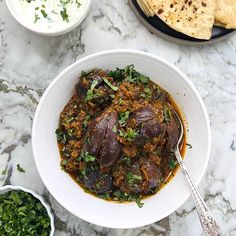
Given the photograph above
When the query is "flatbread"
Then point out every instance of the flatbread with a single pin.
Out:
(194, 18)
(219, 24)
(144, 8)
(226, 13)
(148, 6)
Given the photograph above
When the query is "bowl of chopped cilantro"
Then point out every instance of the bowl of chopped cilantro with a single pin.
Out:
(48, 17)
(23, 212)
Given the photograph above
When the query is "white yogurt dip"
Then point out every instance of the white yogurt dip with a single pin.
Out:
(50, 15)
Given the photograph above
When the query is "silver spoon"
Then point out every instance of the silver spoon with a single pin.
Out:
(208, 222)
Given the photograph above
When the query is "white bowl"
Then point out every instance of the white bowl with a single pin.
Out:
(13, 6)
(63, 187)
(8, 188)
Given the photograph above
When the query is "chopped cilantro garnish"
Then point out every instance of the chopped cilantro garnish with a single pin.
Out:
(167, 115)
(78, 3)
(86, 121)
(172, 164)
(132, 178)
(36, 17)
(90, 94)
(64, 15)
(4, 172)
(114, 129)
(123, 118)
(61, 136)
(127, 160)
(44, 13)
(86, 157)
(20, 169)
(110, 84)
(189, 145)
(129, 135)
(23, 214)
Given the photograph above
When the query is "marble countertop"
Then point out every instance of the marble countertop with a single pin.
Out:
(29, 62)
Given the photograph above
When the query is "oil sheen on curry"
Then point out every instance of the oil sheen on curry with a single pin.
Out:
(116, 135)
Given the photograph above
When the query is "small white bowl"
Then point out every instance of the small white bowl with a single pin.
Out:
(13, 6)
(69, 194)
(8, 188)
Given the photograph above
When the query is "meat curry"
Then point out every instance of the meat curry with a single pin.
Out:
(116, 135)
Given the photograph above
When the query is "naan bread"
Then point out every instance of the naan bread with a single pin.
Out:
(226, 13)
(194, 18)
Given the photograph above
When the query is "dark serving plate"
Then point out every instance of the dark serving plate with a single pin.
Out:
(158, 27)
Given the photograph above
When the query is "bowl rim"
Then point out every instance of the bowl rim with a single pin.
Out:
(60, 31)
(39, 197)
(139, 53)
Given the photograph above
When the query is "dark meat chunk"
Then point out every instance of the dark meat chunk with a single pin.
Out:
(173, 131)
(81, 88)
(111, 148)
(99, 183)
(91, 179)
(149, 125)
(103, 141)
(105, 184)
(151, 129)
(151, 174)
(142, 115)
(85, 82)
(132, 179)
(96, 133)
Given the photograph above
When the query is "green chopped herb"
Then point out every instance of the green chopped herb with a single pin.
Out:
(4, 172)
(127, 160)
(90, 95)
(61, 136)
(36, 8)
(64, 15)
(172, 164)
(148, 92)
(189, 145)
(86, 121)
(69, 119)
(64, 2)
(139, 203)
(105, 196)
(120, 102)
(131, 178)
(123, 118)
(86, 157)
(167, 115)
(23, 214)
(36, 17)
(114, 129)
(129, 135)
(110, 84)
(78, 3)
(20, 169)
(44, 13)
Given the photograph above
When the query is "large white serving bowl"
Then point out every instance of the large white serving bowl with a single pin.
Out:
(63, 187)
(13, 6)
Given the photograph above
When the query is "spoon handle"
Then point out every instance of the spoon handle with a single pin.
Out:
(209, 224)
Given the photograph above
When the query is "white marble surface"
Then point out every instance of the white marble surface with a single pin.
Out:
(28, 63)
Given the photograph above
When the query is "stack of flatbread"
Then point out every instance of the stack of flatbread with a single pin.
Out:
(194, 18)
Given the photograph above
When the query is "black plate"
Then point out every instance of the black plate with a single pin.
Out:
(157, 26)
